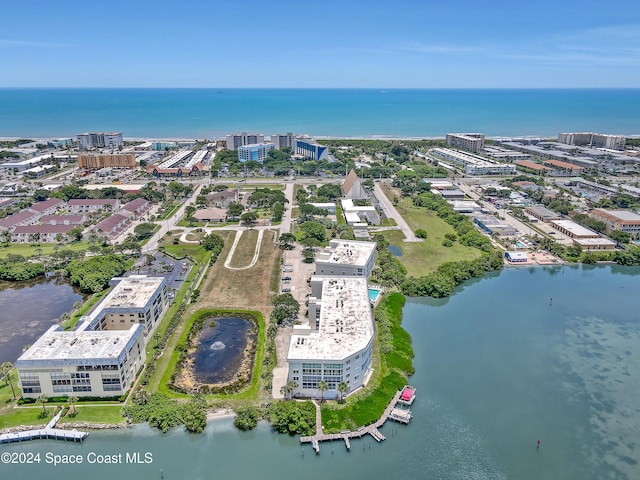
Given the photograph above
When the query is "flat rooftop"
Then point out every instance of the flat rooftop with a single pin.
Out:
(347, 252)
(346, 323)
(132, 292)
(69, 347)
(574, 228)
(619, 215)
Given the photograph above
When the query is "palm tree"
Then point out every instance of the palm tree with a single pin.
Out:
(72, 401)
(323, 387)
(343, 388)
(43, 399)
(5, 371)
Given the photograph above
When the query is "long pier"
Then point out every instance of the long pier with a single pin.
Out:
(390, 413)
(48, 432)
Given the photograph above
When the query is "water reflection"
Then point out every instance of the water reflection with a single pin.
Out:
(29, 309)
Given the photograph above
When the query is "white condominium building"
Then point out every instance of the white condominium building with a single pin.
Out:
(336, 346)
(472, 164)
(473, 142)
(347, 257)
(82, 363)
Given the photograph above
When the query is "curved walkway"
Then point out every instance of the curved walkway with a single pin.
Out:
(256, 253)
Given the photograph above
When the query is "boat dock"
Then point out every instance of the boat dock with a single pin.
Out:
(390, 413)
(48, 432)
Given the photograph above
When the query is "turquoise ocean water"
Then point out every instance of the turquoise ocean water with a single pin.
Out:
(497, 369)
(210, 113)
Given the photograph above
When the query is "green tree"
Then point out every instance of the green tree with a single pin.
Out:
(249, 218)
(323, 386)
(421, 233)
(73, 399)
(343, 388)
(144, 230)
(620, 236)
(5, 372)
(234, 209)
(189, 210)
(286, 241)
(43, 399)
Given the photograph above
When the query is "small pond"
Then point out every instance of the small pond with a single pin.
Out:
(395, 250)
(221, 348)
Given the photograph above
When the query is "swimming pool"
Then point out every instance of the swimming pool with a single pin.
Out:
(374, 293)
(519, 244)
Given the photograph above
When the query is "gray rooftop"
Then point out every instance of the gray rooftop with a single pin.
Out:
(347, 252)
(67, 347)
(346, 323)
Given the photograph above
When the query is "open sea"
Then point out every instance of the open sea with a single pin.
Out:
(499, 366)
(371, 113)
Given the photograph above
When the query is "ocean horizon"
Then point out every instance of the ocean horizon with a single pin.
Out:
(207, 113)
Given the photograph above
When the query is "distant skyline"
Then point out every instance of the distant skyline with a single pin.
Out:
(333, 44)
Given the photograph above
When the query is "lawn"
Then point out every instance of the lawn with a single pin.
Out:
(96, 414)
(245, 249)
(91, 301)
(31, 250)
(421, 258)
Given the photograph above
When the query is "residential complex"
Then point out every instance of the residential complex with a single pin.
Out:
(622, 220)
(306, 148)
(94, 162)
(103, 355)
(472, 164)
(279, 141)
(236, 140)
(81, 362)
(337, 343)
(597, 140)
(346, 257)
(472, 142)
(256, 152)
(89, 140)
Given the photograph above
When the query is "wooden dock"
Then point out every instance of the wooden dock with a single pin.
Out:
(48, 432)
(390, 413)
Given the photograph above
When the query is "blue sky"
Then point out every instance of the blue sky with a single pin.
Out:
(400, 43)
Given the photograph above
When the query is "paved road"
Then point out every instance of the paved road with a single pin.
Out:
(285, 224)
(169, 223)
(391, 212)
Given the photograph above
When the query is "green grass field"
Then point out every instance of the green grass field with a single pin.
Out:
(421, 258)
(31, 250)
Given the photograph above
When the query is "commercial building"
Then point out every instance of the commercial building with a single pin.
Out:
(81, 363)
(572, 229)
(309, 149)
(599, 140)
(39, 171)
(623, 220)
(280, 141)
(90, 140)
(493, 225)
(336, 345)
(472, 164)
(236, 140)
(542, 213)
(255, 152)
(359, 214)
(346, 257)
(472, 142)
(117, 160)
(516, 257)
(593, 244)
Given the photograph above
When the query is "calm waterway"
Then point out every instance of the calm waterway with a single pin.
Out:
(497, 368)
(28, 309)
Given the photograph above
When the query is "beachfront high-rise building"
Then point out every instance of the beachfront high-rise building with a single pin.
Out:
(255, 152)
(236, 140)
(597, 140)
(90, 140)
(309, 149)
(472, 164)
(280, 141)
(472, 142)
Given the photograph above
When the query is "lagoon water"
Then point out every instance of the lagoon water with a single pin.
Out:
(30, 308)
(498, 367)
(210, 113)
